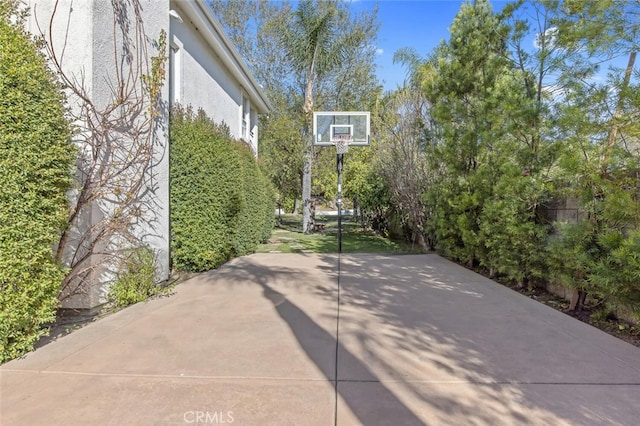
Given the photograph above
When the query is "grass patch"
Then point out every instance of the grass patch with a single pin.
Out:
(287, 237)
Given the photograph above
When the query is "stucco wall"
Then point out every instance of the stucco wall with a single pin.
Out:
(205, 83)
(109, 55)
(71, 39)
(92, 49)
(72, 34)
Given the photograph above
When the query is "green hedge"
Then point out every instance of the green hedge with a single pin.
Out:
(222, 205)
(600, 254)
(36, 159)
(256, 219)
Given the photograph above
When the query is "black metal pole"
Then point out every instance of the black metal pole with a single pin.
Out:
(339, 167)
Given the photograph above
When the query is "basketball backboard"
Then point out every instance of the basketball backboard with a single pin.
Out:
(329, 126)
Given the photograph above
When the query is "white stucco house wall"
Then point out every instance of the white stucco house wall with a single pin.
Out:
(204, 70)
(200, 52)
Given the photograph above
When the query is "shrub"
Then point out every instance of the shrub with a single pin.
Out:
(267, 208)
(512, 235)
(257, 217)
(205, 198)
(136, 278)
(573, 255)
(617, 275)
(599, 255)
(246, 233)
(222, 205)
(454, 223)
(36, 158)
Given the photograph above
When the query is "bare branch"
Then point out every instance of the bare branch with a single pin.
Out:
(115, 140)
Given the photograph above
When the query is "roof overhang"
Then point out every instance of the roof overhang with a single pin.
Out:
(201, 17)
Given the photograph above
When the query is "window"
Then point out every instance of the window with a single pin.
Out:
(246, 118)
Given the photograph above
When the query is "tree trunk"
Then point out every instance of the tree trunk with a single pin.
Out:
(422, 243)
(578, 298)
(296, 206)
(613, 133)
(307, 220)
(307, 216)
(279, 213)
(354, 214)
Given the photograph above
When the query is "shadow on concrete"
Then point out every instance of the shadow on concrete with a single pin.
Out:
(309, 335)
(443, 344)
(421, 341)
(478, 333)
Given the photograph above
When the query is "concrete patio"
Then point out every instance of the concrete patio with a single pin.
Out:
(420, 340)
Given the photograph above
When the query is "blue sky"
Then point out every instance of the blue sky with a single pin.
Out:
(419, 24)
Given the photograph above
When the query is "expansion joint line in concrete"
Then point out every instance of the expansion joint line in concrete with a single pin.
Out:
(335, 376)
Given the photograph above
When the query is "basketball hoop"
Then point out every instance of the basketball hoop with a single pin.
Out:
(341, 128)
(342, 143)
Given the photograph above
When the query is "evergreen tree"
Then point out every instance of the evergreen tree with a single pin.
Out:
(467, 95)
(600, 165)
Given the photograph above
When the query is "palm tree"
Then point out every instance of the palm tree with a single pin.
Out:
(315, 46)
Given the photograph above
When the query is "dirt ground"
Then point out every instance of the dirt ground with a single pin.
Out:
(589, 314)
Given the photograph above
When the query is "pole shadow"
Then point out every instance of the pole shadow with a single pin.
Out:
(307, 332)
(312, 338)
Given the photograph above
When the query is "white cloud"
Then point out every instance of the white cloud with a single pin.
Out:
(548, 39)
(379, 51)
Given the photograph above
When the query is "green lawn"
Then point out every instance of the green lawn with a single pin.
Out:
(287, 237)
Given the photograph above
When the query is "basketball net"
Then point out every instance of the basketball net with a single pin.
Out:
(342, 144)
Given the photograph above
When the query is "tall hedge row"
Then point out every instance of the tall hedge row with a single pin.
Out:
(257, 218)
(222, 205)
(36, 159)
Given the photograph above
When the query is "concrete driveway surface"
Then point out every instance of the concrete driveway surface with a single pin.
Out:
(420, 340)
